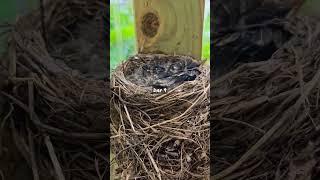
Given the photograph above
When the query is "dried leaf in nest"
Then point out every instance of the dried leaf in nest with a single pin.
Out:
(160, 135)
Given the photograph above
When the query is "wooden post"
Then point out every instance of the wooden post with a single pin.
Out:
(169, 26)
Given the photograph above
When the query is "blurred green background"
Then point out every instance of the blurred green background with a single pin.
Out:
(9, 9)
(122, 32)
(122, 35)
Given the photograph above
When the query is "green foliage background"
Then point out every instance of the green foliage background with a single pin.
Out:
(122, 32)
(9, 9)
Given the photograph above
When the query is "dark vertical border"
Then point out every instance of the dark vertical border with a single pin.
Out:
(107, 26)
(212, 52)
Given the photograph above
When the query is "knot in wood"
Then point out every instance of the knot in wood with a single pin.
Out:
(150, 24)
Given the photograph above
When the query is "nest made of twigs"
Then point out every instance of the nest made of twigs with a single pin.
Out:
(160, 135)
(58, 114)
(266, 114)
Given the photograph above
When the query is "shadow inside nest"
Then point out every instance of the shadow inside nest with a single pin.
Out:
(247, 31)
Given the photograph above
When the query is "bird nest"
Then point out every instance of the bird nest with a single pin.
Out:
(159, 115)
(56, 109)
(265, 115)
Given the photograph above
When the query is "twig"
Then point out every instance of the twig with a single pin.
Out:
(153, 162)
(34, 165)
(3, 123)
(96, 163)
(2, 175)
(291, 112)
(43, 25)
(54, 158)
(273, 22)
(13, 59)
(20, 144)
(31, 98)
(53, 130)
(241, 122)
(129, 118)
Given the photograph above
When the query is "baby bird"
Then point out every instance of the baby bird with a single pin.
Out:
(169, 74)
(164, 72)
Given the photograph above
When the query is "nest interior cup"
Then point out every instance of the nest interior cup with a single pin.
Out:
(160, 134)
(161, 71)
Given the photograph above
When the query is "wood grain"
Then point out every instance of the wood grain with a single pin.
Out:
(169, 26)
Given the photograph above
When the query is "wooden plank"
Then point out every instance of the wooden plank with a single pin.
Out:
(169, 26)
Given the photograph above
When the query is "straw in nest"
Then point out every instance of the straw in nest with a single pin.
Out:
(266, 114)
(160, 135)
(58, 117)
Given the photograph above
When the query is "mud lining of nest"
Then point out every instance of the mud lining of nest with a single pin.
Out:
(55, 110)
(266, 114)
(163, 136)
